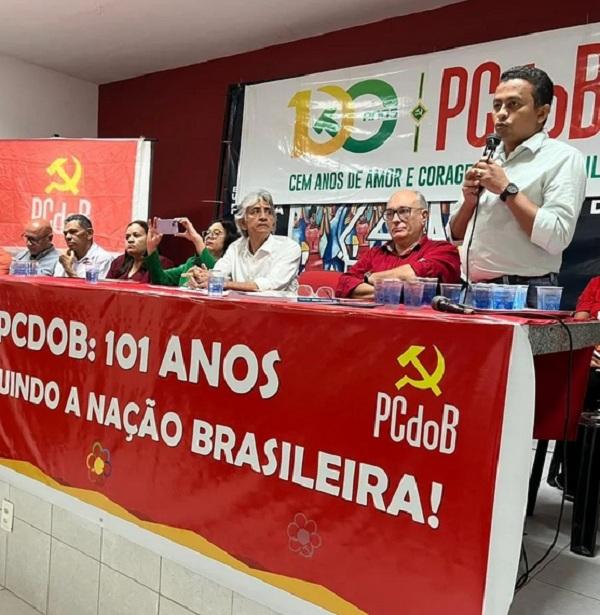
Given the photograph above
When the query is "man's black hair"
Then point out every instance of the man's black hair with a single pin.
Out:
(543, 88)
(83, 221)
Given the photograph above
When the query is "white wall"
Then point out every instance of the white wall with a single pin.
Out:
(38, 102)
(116, 566)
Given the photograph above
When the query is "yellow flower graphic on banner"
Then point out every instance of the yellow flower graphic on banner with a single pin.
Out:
(98, 464)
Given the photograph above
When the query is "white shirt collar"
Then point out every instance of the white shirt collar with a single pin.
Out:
(267, 246)
(533, 144)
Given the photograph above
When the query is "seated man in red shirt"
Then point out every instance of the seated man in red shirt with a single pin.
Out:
(588, 307)
(409, 254)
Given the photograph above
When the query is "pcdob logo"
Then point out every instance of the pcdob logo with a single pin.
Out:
(370, 101)
(62, 181)
(428, 380)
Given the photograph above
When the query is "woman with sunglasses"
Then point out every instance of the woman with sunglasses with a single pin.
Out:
(209, 250)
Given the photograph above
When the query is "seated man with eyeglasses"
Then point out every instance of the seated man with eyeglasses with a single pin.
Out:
(38, 239)
(259, 260)
(408, 255)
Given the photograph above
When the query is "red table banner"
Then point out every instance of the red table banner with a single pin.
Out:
(54, 178)
(350, 457)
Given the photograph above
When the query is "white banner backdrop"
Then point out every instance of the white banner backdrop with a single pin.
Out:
(358, 134)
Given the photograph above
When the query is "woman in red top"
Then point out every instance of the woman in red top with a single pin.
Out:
(130, 265)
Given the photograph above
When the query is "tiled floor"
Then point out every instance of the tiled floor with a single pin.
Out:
(565, 584)
(11, 605)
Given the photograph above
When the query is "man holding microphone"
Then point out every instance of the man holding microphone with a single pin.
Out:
(518, 211)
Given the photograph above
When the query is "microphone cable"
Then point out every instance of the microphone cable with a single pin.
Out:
(491, 143)
(525, 578)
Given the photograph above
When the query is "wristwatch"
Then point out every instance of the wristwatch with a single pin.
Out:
(366, 278)
(510, 190)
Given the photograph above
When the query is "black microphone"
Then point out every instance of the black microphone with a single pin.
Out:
(492, 141)
(443, 304)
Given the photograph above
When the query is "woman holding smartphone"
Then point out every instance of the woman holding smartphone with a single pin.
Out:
(130, 265)
(208, 250)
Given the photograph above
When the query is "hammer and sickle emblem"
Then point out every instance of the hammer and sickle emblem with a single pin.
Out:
(428, 380)
(69, 182)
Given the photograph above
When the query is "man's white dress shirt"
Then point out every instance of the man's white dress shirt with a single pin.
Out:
(274, 266)
(96, 255)
(552, 175)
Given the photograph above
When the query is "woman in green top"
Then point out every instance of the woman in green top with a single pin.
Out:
(208, 250)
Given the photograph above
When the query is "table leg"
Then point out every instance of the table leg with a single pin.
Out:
(586, 506)
(536, 474)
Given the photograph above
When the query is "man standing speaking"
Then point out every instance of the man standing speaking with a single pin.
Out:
(530, 195)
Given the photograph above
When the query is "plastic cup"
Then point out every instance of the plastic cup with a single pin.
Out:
(216, 283)
(481, 296)
(451, 291)
(19, 267)
(92, 271)
(503, 296)
(379, 292)
(429, 289)
(413, 293)
(520, 296)
(392, 289)
(548, 298)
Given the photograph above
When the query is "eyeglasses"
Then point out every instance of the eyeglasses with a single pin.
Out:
(254, 212)
(323, 293)
(30, 239)
(403, 213)
(209, 233)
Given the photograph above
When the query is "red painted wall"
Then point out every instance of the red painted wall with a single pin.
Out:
(185, 108)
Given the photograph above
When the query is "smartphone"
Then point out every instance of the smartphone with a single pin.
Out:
(167, 226)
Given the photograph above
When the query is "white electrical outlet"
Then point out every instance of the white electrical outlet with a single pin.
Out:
(6, 515)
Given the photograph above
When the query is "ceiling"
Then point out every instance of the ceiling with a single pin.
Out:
(108, 40)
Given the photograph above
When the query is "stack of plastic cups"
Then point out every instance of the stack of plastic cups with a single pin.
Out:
(503, 296)
(216, 284)
(520, 296)
(413, 293)
(481, 296)
(379, 292)
(20, 268)
(451, 291)
(392, 289)
(92, 272)
(429, 290)
(548, 298)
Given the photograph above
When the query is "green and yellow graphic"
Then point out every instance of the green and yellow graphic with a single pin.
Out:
(338, 119)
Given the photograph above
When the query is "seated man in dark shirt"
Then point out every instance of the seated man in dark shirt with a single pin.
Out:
(409, 254)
